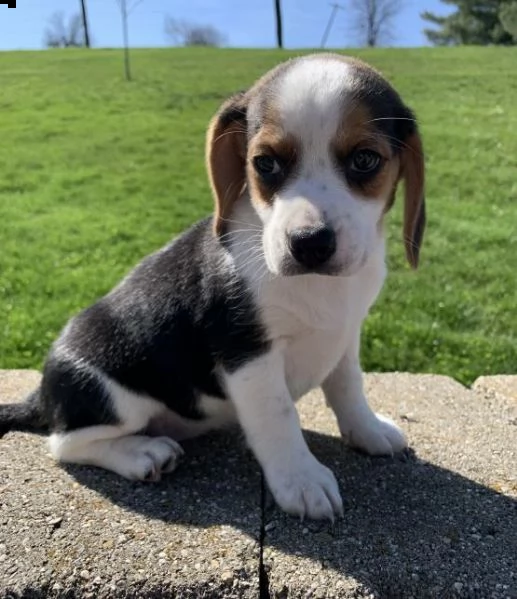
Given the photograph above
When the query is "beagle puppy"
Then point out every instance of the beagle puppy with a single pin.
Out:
(251, 308)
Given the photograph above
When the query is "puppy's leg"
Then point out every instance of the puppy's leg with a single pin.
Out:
(360, 427)
(97, 422)
(135, 457)
(300, 484)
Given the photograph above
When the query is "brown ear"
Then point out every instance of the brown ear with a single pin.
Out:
(226, 157)
(413, 172)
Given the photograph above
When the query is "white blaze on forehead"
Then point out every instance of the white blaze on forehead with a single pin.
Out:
(312, 98)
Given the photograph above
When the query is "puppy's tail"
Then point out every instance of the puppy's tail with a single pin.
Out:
(26, 416)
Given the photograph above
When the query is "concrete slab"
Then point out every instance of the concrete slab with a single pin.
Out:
(438, 522)
(82, 532)
(503, 384)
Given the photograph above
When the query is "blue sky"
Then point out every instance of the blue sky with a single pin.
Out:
(245, 23)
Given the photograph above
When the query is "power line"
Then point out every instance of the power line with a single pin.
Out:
(335, 8)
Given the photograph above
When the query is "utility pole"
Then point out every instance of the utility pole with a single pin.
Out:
(335, 8)
(278, 14)
(85, 24)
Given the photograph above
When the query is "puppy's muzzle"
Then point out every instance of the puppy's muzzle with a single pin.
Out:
(312, 247)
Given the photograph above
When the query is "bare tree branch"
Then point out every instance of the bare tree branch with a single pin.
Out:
(190, 34)
(132, 7)
(60, 34)
(124, 14)
(374, 19)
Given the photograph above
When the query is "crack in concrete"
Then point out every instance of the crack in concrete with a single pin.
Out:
(263, 574)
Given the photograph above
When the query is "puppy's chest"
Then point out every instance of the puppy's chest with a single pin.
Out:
(310, 357)
(313, 323)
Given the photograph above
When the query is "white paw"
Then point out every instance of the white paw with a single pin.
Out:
(148, 458)
(375, 434)
(306, 489)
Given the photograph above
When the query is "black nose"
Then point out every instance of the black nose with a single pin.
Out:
(312, 246)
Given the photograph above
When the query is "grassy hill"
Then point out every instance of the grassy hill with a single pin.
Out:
(96, 172)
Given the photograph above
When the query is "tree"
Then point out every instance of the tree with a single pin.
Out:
(278, 18)
(508, 17)
(60, 34)
(190, 34)
(126, 8)
(374, 19)
(474, 22)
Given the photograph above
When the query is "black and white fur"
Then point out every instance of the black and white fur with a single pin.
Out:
(223, 325)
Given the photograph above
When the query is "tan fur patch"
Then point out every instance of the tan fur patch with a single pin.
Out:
(356, 131)
(225, 161)
(413, 172)
(271, 141)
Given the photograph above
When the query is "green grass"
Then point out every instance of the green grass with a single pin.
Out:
(96, 172)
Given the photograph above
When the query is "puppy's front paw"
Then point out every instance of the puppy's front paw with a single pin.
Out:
(376, 434)
(306, 488)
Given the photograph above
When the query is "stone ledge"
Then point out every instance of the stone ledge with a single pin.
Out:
(81, 532)
(439, 521)
(505, 385)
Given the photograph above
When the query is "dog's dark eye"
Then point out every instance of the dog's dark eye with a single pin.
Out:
(364, 162)
(267, 166)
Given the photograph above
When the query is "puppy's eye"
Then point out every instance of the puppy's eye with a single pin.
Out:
(266, 166)
(365, 162)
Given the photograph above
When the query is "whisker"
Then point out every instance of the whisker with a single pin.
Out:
(398, 143)
(392, 118)
(246, 249)
(250, 244)
(231, 132)
(256, 263)
(410, 242)
(252, 252)
(240, 222)
(257, 253)
(238, 231)
(227, 193)
(405, 240)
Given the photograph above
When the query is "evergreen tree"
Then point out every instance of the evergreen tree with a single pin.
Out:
(474, 22)
(508, 16)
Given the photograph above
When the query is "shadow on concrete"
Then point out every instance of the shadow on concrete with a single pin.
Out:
(411, 528)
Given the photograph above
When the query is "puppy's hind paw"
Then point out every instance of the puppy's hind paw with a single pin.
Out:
(149, 458)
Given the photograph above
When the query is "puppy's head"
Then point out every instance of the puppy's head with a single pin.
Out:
(320, 144)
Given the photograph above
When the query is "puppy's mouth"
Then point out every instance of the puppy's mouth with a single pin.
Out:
(290, 268)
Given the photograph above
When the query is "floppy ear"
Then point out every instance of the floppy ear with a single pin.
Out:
(413, 173)
(226, 157)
